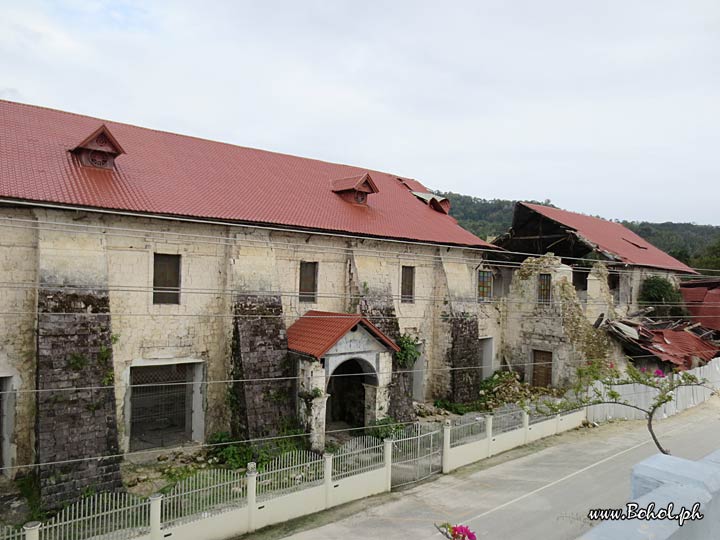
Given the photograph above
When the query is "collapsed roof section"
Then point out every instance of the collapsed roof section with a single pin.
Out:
(683, 345)
(702, 299)
(540, 229)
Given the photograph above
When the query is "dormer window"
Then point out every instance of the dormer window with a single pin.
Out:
(99, 150)
(436, 202)
(355, 189)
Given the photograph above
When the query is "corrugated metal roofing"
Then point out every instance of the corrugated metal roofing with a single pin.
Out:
(703, 302)
(316, 332)
(680, 347)
(613, 238)
(170, 174)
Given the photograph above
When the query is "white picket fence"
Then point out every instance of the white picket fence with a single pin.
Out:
(11, 533)
(358, 455)
(110, 516)
(209, 491)
(290, 472)
(686, 397)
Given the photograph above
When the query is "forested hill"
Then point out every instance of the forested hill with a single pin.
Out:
(698, 245)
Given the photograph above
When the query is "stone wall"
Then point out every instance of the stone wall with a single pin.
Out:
(259, 351)
(465, 358)
(382, 314)
(18, 274)
(75, 350)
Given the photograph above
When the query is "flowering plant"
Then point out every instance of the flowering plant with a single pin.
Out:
(456, 532)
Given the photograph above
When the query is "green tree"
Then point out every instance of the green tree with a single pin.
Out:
(663, 296)
(586, 392)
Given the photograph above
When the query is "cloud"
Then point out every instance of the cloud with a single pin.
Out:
(609, 108)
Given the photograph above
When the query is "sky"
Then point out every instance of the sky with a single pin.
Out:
(608, 108)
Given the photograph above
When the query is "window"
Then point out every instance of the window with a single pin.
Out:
(308, 282)
(580, 278)
(166, 279)
(162, 399)
(544, 288)
(485, 285)
(407, 285)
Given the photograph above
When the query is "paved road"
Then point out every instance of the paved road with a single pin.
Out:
(544, 493)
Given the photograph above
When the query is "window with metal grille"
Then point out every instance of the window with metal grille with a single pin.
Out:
(166, 279)
(308, 281)
(544, 288)
(160, 406)
(485, 285)
(407, 285)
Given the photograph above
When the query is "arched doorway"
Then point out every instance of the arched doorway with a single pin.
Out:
(346, 386)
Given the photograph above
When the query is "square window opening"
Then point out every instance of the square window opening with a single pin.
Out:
(544, 288)
(407, 286)
(485, 285)
(308, 282)
(166, 279)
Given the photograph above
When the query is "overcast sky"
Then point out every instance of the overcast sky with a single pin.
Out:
(608, 108)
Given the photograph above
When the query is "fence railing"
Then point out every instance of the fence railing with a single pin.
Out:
(507, 421)
(213, 490)
(468, 430)
(11, 533)
(290, 472)
(110, 516)
(358, 455)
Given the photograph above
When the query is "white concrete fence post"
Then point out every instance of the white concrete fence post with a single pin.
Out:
(328, 479)
(251, 476)
(489, 432)
(388, 464)
(156, 516)
(526, 426)
(32, 530)
(446, 448)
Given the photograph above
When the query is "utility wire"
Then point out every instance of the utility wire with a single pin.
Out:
(223, 240)
(53, 287)
(285, 378)
(245, 441)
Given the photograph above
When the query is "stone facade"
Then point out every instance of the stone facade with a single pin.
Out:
(233, 276)
(75, 351)
(259, 351)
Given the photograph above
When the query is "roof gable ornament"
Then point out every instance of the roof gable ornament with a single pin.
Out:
(355, 189)
(99, 149)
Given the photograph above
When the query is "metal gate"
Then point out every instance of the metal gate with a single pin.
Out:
(417, 454)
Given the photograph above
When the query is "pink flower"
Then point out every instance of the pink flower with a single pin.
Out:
(612, 365)
(462, 532)
(659, 373)
(643, 370)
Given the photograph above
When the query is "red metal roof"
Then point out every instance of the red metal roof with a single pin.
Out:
(316, 332)
(703, 302)
(679, 347)
(613, 238)
(170, 174)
